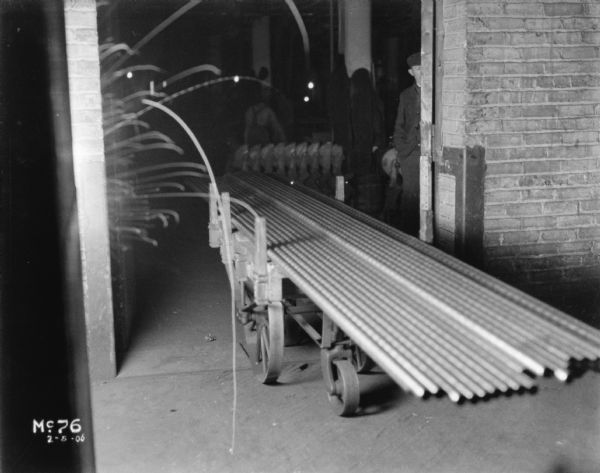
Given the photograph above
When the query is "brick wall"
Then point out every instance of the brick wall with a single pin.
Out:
(533, 103)
(90, 179)
(454, 73)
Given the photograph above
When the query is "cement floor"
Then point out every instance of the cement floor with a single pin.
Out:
(170, 407)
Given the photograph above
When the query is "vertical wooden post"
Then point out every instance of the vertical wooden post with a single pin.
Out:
(438, 144)
(463, 205)
(226, 226)
(275, 285)
(214, 230)
(260, 261)
(340, 182)
(438, 81)
(427, 26)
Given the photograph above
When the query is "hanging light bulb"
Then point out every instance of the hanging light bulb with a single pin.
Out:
(311, 85)
(129, 75)
(306, 98)
(236, 79)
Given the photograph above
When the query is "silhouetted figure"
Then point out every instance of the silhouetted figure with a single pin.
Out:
(407, 141)
(261, 123)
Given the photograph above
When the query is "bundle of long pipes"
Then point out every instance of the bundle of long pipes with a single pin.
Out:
(434, 324)
(311, 164)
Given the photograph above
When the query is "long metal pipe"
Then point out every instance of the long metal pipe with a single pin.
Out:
(417, 384)
(326, 260)
(342, 229)
(534, 306)
(328, 254)
(555, 360)
(467, 346)
(444, 382)
(482, 376)
(522, 378)
(433, 355)
(494, 303)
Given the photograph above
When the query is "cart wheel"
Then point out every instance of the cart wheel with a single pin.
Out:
(269, 345)
(361, 361)
(346, 397)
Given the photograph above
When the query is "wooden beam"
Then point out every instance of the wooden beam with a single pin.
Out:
(427, 38)
(438, 73)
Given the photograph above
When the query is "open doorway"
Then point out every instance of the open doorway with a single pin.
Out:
(205, 59)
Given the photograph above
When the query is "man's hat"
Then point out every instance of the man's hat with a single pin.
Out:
(414, 60)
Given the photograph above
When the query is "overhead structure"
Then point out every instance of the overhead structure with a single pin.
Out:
(434, 324)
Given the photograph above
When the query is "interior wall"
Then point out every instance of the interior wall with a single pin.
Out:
(459, 168)
(454, 73)
(522, 84)
(43, 360)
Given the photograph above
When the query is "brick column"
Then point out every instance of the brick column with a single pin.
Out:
(454, 73)
(449, 211)
(533, 95)
(90, 179)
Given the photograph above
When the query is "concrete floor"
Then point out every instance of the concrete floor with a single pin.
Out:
(170, 408)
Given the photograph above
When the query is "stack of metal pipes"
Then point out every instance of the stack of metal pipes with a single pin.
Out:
(314, 165)
(434, 324)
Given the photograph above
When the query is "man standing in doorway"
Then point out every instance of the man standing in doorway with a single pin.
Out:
(407, 141)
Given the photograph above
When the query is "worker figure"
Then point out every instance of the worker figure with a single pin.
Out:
(407, 142)
(262, 126)
(390, 213)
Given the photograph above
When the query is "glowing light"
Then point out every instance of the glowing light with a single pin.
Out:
(306, 99)
(129, 75)
(236, 79)
(311, 85)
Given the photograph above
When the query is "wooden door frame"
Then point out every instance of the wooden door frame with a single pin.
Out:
(431, 82)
